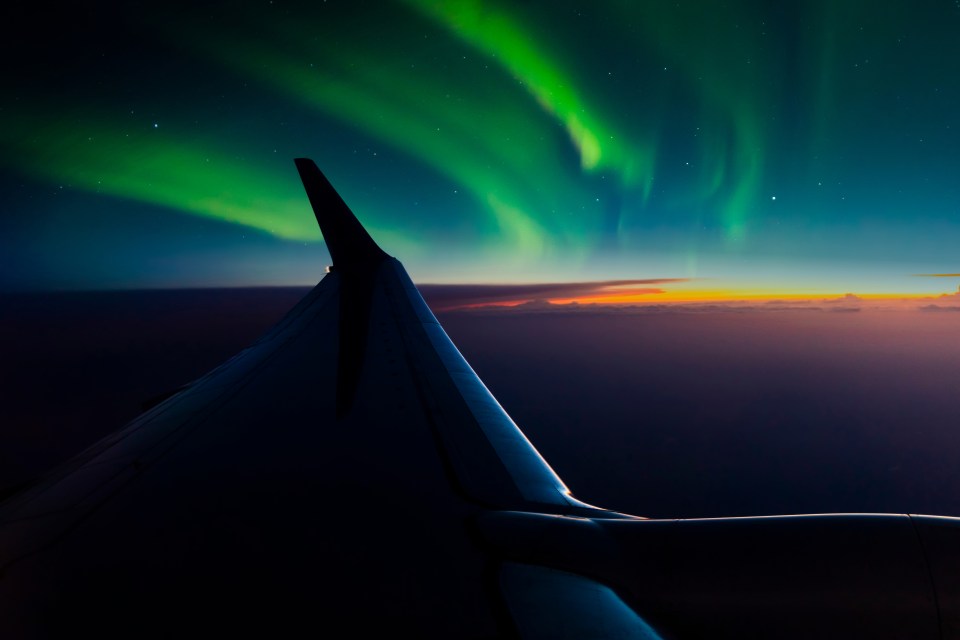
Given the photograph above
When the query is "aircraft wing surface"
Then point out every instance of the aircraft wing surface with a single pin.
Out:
(351, 468)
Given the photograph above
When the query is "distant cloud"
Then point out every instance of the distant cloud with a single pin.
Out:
(847, 303)
(452, 296)
(955, 294)
(846, 298)
(937, 307)
(941, 275)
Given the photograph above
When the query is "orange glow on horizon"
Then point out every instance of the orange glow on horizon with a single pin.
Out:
(727, 297)
(616, 294)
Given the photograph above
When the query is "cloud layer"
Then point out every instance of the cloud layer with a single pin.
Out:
(455, 296)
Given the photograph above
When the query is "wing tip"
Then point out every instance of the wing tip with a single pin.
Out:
(349, 243)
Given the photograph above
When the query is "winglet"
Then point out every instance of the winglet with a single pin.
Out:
(350, 245)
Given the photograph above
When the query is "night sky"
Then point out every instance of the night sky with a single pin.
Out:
(723, 149)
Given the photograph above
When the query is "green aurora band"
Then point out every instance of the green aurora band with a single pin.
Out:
(157, 167)
(381, 98)
(492, 30)
(487, 139)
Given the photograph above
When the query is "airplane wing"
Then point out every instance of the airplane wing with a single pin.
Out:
(350, 470)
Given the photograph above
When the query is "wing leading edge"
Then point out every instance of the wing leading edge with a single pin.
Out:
(350, 463)
(492, 462)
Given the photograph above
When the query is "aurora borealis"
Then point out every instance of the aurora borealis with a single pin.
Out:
(796, 148)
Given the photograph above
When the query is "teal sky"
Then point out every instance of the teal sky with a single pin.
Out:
(797, 146)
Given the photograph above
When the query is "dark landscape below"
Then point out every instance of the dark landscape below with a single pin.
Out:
(662, 414)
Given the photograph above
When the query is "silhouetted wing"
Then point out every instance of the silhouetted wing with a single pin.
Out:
(336, 463)
(386, 329)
